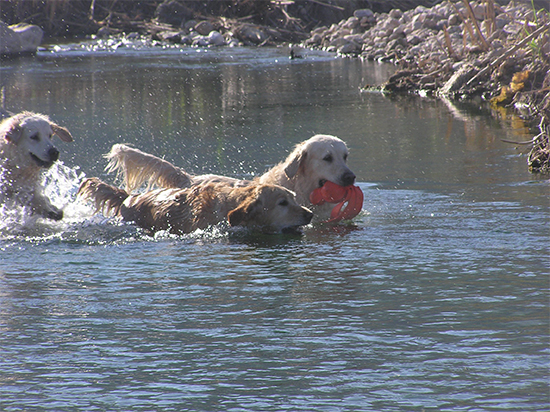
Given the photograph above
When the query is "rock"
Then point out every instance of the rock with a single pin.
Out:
(417, 21)
(316, 39)
(188, 25)
(394, 44)
(319, 30)
(363, 13)
(414, 40)
(458, 79)
(389, 25)
(215, 38)
(187, 39)
(19, 38)
(233, 43)
(338, 42)
(453, 20)
(349, 48)
(200, 41)
(250, 33)
(396, 14)
(204, 28)
(351, 23)
(171, 36)
(398, 32)
(172, 12)
(104, 32)
(431, 21)
(479, 11)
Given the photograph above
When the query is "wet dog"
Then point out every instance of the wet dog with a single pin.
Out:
(269, 208)
(26, 150)
(313, 162)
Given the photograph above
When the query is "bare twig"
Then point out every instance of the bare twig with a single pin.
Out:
(448, 43)
(476, 25)
(490, 22)
(520, 143)
(467, 26)
(92, 9)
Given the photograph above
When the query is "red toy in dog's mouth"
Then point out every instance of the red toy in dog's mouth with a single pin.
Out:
(341, 195)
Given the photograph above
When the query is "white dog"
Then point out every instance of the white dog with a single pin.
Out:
(26, 149)
(313, 162)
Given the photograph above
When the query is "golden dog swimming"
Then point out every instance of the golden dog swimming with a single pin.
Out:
(269, 208)
(26, 150)
(309, 166)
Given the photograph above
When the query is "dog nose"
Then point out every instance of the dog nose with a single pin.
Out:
(308, 215)
(348, 178)
(53, 154)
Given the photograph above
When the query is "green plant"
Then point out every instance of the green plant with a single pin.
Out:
(536, 44)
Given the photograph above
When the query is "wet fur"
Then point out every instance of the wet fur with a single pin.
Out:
(26, 150)
(304, 170)
(269, 208)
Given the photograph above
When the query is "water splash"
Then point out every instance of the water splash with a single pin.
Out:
(80, 223)
(60, 186)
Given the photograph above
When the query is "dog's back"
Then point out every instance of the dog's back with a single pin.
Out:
(160, 209)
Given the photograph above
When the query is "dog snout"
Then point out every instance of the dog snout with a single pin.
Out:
(348, 178)
(53, 154)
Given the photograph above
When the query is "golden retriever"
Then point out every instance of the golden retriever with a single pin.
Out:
(26, 149)
(270, 208)
(313, 162)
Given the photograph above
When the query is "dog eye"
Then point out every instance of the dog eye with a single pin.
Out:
(328, 158)
(345, 157)
(35, 137)
(283, 202)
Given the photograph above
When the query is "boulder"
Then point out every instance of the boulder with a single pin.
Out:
(19, 38)
(250, 33)
(172, 12)
(459, 79)
(363, 13)
(204, 28)
(215, 38)
(170, 36)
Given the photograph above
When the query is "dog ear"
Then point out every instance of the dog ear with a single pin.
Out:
(61, 132)
(244, 212)
(13, 132)
(294, 162)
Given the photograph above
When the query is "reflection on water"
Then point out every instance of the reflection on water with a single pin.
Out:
(434, 298)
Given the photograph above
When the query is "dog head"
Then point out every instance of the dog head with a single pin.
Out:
(272, 208)
(321, 158)
(32, 133)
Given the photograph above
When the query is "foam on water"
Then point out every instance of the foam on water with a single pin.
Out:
(60, 185)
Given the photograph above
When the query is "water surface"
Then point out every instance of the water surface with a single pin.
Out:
(434, 298)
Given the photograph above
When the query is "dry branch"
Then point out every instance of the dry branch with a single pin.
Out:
(509, 52)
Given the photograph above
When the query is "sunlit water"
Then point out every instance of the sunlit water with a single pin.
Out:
(435, 298)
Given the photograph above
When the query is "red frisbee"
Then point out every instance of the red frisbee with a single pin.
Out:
(351, 196)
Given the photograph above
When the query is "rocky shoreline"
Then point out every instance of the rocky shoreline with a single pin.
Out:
(456, 49)
(459, 50)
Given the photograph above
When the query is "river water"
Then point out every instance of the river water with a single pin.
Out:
(434, 298)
